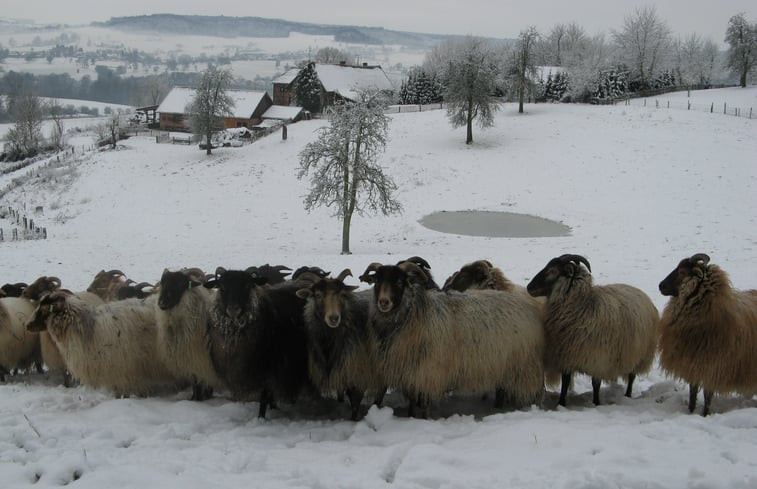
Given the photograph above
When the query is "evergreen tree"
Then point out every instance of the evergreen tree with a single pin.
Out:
(308, 89)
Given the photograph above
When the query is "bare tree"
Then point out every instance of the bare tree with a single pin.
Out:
(343, 163)
(643, 42)
(211, 104)
(25, 136)
(522, 70)
(329, 55)
(741, 37)
(695, 60)
(55, 109)
(469, 79)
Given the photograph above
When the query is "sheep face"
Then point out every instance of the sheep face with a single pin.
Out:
(49, 306)
(470, 276)
(689, 271)
(390, 281)
(172, 288)
(328, 296)
(562, 266)
(235, 288)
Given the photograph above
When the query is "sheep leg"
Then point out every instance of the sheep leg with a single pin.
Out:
(693, 393)
(595, 385)
(68, 379)
(566, 376)
(201, 392)
(266, 398)
(629, 388)
(499, 398)
(707, 401)
(356, 397)
(340, 396)
(378, 400)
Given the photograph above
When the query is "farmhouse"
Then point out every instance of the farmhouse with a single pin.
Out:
(249, 107)
(338, 82)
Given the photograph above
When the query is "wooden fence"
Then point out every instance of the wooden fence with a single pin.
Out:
(401, 109)
(22, 227)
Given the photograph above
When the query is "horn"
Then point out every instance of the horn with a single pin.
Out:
(220, 271)
(116, 273)
(414, 271)
(699, 257)
(368, 275)
(575, 259)
(418, 261)
(55, 281)
(344, 274)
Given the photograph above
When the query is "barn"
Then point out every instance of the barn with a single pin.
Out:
(248, 110)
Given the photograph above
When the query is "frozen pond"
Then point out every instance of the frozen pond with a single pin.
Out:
(494, 224)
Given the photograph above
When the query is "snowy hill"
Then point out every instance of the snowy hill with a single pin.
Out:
(640, 188)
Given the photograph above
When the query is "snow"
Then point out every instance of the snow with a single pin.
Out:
(245, 101)
(282, 112)
(640, 188)
(348, 80)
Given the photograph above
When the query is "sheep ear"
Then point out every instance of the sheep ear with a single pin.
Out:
(351, 287)
(698, 272)
(304, 293)
(211, 284)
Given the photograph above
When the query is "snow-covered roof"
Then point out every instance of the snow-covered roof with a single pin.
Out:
(245, 101)
(281, 112)
(288, 77)
(348, 80)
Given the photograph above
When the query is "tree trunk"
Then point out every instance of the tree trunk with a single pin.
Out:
(346, 234)
(521, 96)
(207, 142)
(469, 136)
(742, 79)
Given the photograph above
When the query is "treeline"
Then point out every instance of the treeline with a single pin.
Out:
(109, 86)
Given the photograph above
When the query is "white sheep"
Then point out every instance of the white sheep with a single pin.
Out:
(19, 349)
(112, 346)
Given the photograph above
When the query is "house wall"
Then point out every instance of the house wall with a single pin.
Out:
(283, 93)
(173, 122)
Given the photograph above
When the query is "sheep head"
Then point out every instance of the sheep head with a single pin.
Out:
(43, 285)
(12, 290)
(106, 284)
(390, 282)
(328, 297)
(49, 305)
(470, 276)
(174, 284)
(309, 274)
(562, 266)
(692, 268)
(235, 289)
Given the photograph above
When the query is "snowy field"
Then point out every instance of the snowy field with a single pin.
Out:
(640, 189)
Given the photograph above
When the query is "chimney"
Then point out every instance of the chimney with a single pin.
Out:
(365, 65)
(342, 63)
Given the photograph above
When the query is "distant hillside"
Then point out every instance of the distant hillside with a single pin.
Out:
(223, 26)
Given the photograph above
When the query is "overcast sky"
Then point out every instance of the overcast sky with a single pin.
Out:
(495, 18)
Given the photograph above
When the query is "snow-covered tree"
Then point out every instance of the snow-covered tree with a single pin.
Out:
(343, 162)
(307, 91)
(331, 55)
(55, 109)
(420, 88)
(522, 69)
(741, 37)
(643, 42)
(211, 103)
(470, 81)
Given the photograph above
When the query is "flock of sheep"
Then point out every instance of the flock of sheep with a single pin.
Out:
(262, 335)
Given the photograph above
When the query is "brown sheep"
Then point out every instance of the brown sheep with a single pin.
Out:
(708, 331)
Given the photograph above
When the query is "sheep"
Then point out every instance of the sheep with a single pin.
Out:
(107, 284)
(18, 348)
(183, 316)
(708, 331)
(51, 356)
(111, 346)
(274, 274)
(604, 331)
(430, 342)
(341, 350)
(257, 337)
(425, 267)
(479, 275)
(133, 290)
(12, 290)
(309, 274)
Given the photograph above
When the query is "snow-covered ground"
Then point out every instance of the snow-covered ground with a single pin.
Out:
(640, 188)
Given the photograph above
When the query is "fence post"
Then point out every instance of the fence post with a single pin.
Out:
(750, 112)
(689, 107)
(44, 233)
(668, 103)
(1, 234)
(712, 107)
(284, 133)
(656, 104)
(645, 102)
(724, 105)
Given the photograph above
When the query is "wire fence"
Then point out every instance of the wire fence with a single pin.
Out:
(401, 109)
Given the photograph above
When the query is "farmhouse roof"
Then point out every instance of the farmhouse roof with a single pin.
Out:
(281, 112)
(245, 101)
(348, 80)
(288, 76)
